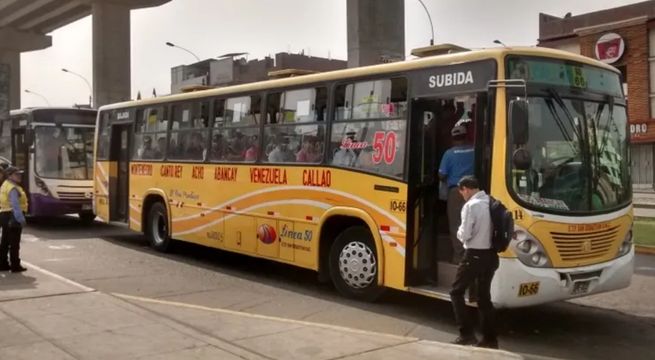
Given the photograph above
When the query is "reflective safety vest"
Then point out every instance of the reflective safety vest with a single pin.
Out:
(5, 204)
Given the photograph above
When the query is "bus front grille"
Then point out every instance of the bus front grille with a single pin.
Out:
(64, 195)
(585, 245)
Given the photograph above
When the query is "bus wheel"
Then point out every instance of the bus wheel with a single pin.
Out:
(354, 265)
(157, 229)
(87, 217)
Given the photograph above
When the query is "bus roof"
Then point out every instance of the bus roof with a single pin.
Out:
(28, 110)
(449, 59)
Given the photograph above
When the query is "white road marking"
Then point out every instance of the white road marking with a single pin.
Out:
(29, 238)
(61, 247)
(261, 317)
(59, 277)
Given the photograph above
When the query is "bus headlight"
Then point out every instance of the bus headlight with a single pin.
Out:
(626, 245)
(40, 184)
(529, 251)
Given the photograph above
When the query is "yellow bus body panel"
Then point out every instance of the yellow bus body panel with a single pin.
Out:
(273, 212)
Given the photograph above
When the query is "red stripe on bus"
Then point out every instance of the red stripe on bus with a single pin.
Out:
(385, 227)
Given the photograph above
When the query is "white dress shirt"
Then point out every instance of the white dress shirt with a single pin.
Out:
(475, 230)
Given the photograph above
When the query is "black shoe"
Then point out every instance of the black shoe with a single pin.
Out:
(489, 344)
(465, 340)
(5, 267)
(17, 269)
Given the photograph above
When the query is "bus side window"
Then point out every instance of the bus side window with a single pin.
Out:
(371, 135)
(150, 128)
(293, 138)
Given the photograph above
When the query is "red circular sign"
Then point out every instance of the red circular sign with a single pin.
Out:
(266, 234)
(609, 48)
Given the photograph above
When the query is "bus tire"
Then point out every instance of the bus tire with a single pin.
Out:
(157, 228)
(87, 217)
(354, 264)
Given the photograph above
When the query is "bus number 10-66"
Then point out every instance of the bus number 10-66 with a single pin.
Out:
(398, 206)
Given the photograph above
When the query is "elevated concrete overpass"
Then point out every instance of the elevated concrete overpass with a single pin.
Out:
(24, 25)
(375, 32)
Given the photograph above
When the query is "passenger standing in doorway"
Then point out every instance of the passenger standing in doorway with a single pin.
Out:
(479, 264)
(13, 205)
(456, 163)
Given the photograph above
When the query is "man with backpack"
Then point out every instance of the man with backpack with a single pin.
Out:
(479, 263)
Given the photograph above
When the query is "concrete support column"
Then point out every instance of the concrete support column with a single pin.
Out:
(12, 43)
(376, 31)
(111, 53)
(12, 58)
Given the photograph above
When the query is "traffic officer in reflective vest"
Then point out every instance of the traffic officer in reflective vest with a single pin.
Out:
(13, 205)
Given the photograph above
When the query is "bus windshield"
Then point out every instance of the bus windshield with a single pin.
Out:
(576, 158)
(64, 152)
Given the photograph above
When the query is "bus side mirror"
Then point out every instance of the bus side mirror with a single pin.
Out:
(518, 115)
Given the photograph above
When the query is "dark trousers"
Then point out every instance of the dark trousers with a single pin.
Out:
(10, 241)
(477, 265)
(454, 208)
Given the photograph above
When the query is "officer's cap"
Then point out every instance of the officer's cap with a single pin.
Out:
(12, 170)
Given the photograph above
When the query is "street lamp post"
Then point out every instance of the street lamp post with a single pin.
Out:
(429, 18)
(168, 43)
(86, 81)
(39, 95)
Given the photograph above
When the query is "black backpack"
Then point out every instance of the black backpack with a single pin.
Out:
(502, 223)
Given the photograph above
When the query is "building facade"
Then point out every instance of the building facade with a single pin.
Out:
(235, 69)
(623, 37)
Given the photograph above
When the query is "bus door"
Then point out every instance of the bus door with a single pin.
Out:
(422, 194)
(20, 154)
(19, 148)
(119, 177)
(433, 118)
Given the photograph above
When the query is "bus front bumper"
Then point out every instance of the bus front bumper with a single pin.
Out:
(517, 285)
(41, 205)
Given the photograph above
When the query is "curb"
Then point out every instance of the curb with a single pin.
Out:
(648, 250)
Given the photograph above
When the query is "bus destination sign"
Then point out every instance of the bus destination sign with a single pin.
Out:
(460, 78)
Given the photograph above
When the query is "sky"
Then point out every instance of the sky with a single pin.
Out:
(210, 28)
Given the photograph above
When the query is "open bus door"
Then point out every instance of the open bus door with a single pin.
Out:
(430, 250)
(20, 155)
(119, 177)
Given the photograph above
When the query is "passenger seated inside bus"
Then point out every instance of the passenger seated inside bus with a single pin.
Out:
(196, 148)
(236, 146)
(147, 152)
(218, 147)
(161, 147)
(253, 149)
(281, 152)
(308, 151)
(345, 156)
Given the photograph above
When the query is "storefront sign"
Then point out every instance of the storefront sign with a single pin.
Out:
(609, 48)
(642, 132)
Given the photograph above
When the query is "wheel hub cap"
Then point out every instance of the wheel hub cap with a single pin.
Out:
(357, 265)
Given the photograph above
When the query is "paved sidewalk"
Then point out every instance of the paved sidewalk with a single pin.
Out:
(44, 316)
(644, 199)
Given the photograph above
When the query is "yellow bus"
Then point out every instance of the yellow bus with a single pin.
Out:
(336, 172)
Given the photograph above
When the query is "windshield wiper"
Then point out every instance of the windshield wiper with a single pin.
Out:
(558, 99)
(560, 125)
(610, 122)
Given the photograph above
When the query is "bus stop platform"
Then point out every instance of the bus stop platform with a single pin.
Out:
(44, 316)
